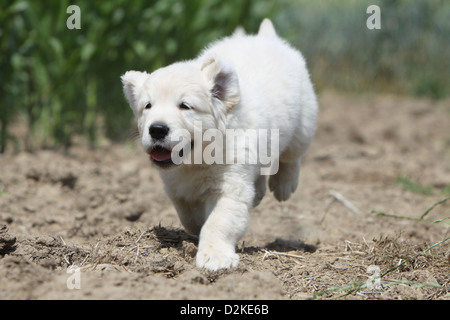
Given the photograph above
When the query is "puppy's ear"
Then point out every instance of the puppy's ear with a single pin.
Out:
(223, 81)
(239, 32)
(132, 81)
(267, 29)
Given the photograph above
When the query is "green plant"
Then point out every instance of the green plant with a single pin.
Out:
(354, 287)
(421, 218)
(409, 185)
(66, 82)
(408, 55)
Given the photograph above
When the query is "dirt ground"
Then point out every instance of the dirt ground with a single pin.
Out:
(95, 223)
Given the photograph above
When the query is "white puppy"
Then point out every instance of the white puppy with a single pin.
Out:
(247, 82)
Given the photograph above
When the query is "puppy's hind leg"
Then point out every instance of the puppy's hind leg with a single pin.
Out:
(285, 181)
(260, 190)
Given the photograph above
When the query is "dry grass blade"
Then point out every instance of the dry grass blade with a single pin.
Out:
(349, 205)
(268, 253)
(413, 257)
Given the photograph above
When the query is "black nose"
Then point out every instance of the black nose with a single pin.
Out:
(158, 130)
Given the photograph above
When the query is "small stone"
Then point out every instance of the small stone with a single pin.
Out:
(7, 241)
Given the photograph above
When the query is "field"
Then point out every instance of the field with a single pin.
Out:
(94, 223)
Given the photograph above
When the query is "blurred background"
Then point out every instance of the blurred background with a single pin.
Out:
(56, 83)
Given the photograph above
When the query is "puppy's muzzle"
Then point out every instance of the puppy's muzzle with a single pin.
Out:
(158, 131)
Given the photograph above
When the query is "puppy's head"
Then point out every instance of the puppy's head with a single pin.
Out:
(169, 103)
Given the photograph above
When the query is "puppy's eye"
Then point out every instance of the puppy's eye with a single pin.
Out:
(185, 106)
(148, 105)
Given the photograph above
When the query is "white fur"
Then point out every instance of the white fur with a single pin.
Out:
(242, 81)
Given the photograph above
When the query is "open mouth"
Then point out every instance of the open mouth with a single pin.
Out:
(162, 157)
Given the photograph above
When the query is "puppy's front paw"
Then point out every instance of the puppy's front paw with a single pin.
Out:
(214, 258)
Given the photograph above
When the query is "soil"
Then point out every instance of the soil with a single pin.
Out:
(94, 223)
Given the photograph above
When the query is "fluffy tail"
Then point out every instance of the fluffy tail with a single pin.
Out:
(266, 28)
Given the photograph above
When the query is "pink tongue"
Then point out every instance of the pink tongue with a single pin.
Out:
(161, 154)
